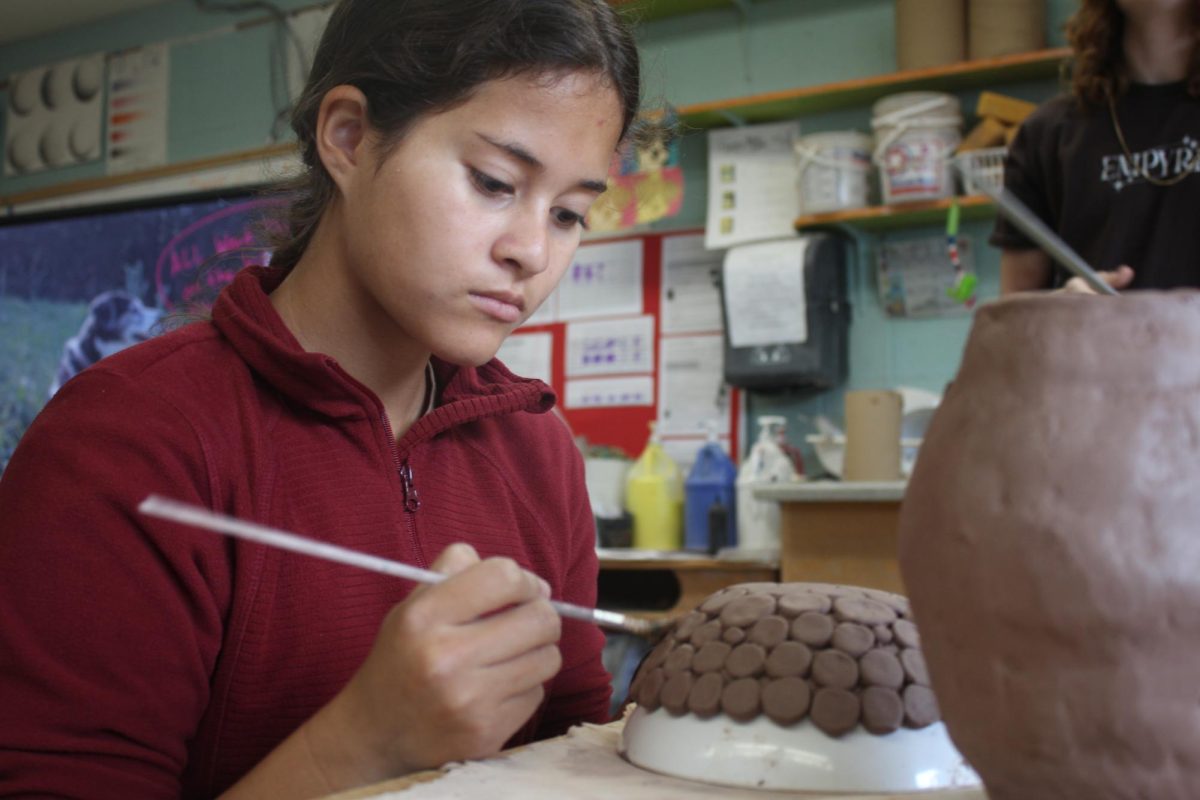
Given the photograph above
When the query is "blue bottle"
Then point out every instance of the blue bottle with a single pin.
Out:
(710, 520)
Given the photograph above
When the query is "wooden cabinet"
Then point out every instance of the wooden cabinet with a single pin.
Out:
(835, 532)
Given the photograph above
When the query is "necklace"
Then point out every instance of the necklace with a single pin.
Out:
(1183, 173)
(430, 388)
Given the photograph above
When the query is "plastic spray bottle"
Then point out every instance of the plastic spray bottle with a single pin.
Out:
(654, 498)
(709, 521)
(758, 520)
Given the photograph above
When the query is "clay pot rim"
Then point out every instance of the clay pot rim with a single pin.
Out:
(1138, 341)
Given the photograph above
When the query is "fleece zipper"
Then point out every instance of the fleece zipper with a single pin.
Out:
(410, 498)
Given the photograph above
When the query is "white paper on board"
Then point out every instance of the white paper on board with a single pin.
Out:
(692, 393)
(605, 347)
(691, 302)
(753, 191)
(603, 280)
(529, 355)
(764, 293)
(634, 390)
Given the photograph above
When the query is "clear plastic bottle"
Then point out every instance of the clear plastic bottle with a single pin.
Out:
(654, 498)
(766, 463)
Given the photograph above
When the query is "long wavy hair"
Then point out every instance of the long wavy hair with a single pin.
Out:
(1096, 33)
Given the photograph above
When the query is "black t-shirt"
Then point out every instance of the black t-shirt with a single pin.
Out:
(1067, 165)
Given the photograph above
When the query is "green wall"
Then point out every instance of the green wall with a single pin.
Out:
(780, 44)
(220, 103)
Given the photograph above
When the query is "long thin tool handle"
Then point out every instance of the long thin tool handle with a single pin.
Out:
(198, 517)
(1033, 227)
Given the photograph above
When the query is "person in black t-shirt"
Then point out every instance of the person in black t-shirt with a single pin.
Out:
(1114, 167)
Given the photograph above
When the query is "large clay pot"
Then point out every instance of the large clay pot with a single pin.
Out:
(1050, 545)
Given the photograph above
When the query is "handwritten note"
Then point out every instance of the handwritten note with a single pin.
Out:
(693, 396)
(610, 346)
(753, 193)
(603, 280)
(764, 293)
(690, 300)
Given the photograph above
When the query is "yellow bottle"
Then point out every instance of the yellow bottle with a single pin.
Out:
(654, 498)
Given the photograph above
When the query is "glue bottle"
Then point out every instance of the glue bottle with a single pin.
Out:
(654, 498)
(709, 522)
(758, 520)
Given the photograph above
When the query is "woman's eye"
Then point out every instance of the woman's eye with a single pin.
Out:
(489, 185)
(569, 219)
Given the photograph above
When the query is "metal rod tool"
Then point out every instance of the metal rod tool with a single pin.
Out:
(1019, 215)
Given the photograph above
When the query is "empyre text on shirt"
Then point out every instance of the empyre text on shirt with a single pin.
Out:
(1164, 163)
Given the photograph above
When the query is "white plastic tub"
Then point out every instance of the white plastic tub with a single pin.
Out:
(916, 134)
(835, 171)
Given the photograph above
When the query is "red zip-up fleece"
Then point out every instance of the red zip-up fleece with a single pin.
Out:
(139, 658)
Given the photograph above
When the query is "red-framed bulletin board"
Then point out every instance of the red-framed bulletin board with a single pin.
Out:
(627, 426)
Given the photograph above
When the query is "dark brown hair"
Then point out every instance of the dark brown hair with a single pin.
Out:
(1096, 33)
(414, 57)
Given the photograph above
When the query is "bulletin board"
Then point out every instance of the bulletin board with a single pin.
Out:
(684, 354)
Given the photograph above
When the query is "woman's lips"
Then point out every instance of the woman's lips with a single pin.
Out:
(502, 306)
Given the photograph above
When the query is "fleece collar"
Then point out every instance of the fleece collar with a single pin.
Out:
(245, 317)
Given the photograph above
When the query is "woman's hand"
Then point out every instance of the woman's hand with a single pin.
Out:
(458, 667)
(455, 670)
(1118, 278)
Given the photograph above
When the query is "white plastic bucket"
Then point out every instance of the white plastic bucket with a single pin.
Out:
(915, 137)
(834, 169)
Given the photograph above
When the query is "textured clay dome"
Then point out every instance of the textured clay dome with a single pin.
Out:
(840, 656)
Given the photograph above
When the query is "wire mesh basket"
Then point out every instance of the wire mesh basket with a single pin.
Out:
(982, 168)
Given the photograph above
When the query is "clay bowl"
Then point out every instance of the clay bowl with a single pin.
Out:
(802, 687)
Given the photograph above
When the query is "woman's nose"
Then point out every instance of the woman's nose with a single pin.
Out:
(524, 242)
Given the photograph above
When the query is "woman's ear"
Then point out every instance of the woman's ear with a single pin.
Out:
(342, 132)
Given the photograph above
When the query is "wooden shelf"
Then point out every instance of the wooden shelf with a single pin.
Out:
(790, 103)
(901, 215)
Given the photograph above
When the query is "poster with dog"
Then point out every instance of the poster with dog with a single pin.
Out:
(77, 288)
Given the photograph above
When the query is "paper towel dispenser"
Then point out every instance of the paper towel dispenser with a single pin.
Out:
(786, 314)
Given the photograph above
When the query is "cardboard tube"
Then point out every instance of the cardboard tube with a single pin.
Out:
(930, 33)
(1002, 27)
(873, 435)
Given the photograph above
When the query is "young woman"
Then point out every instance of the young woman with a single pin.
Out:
(347, 392)
(1115, 167)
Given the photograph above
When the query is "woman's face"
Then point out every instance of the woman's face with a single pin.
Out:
(467, 225)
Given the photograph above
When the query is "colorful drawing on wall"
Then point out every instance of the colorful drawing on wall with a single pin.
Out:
(78, 288)
(645, 183)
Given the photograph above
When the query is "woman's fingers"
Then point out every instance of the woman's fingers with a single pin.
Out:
(515, 631)
(455, 559)
(1119, 278)
(528, 670)
(477, 590)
